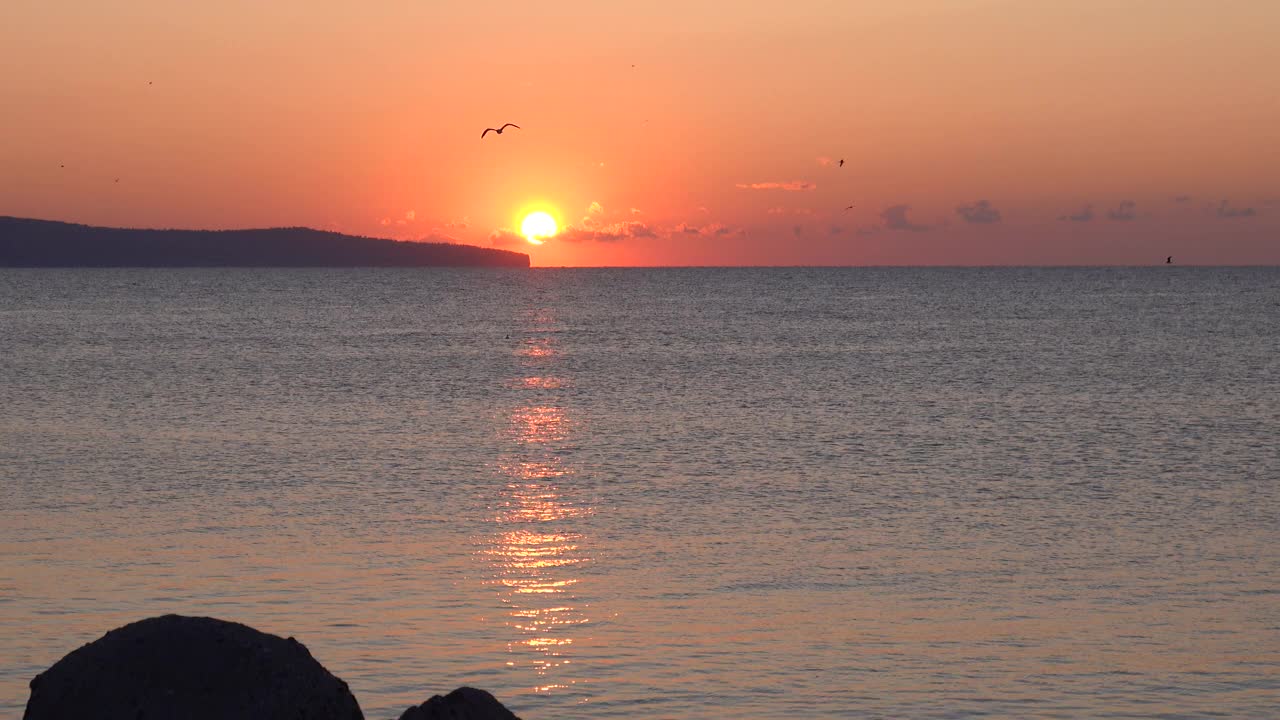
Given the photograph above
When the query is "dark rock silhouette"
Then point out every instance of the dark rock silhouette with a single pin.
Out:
(462, 704)
(189, 667)
(44, 243)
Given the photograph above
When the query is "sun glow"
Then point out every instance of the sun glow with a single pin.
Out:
(537, 226)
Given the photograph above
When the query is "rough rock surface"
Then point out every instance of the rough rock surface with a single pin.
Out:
(189, 667)
(462, 704)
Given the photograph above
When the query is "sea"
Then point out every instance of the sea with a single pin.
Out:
(667, 493)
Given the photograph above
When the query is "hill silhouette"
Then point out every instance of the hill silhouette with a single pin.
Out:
(45, 243)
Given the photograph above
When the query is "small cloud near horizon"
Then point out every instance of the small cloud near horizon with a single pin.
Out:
(895, 218)
(1224, 210)
(792, 186)
(981, 212)
(592, 215)
(709, 230)
(1124, 212)
(613, 232)
(1084, 214)
(1180, 199)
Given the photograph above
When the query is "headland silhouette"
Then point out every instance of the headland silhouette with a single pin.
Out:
(45, 243)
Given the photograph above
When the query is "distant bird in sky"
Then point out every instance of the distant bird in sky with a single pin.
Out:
(848, 208)
(499, 129)
(117, 179)
(841, 163)
(1168, 260)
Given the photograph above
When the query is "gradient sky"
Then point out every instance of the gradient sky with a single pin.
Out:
(662, 132)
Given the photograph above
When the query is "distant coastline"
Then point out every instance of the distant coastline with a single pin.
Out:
(27, 242)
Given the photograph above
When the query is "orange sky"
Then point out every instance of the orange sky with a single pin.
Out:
(666, 133)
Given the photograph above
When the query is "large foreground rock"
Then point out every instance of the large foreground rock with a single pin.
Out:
(462, 704)
(191, 668)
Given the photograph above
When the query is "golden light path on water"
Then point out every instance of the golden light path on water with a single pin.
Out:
(536, 548)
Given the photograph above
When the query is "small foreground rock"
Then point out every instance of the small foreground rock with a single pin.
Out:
(462, 704)
(194, 668)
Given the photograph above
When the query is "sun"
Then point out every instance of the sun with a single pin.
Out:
(537, 226)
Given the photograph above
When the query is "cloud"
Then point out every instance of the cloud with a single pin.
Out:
(608, 233)
(868, 230)
(777, 211)
(792, 186)
(825, 161)
(410, 214)
(1180, 199)
(636, 211)
(895, 218)
(1084, 214)
(593, 217)
(458, 224)
(1123, 212)
(835, 230)
(710, 230)
(980, 212)
(1224, 210)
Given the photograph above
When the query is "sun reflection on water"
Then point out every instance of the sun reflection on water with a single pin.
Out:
(537, 550)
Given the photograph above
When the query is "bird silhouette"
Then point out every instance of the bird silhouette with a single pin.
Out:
(1168, 260)
(498, 129)
(848, 208)
(841, 163)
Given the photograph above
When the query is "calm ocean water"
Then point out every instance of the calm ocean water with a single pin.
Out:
(898, 493)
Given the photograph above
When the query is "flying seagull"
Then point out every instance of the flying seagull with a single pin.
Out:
(498, 130)
(841, 164)
(848, 208)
